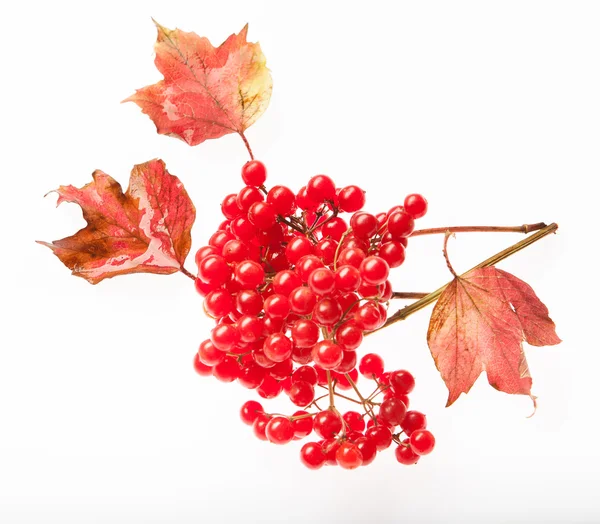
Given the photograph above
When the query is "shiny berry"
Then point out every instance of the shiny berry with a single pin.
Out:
(254, 173)
(415, 205)
(249, 411)
(422, 441)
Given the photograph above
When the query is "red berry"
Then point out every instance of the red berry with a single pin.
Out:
(225, 337)
(327, 312)
(393, 253)
(260, 425)
(270, 387)
(402, 382)
(312, 455)
(326, 249)
(227, 370)
(285, 282)
(320, 188)
(249, 302)
(354, 420)
(347, 278)
(374, 270)
(250, 328)
(302, 355)
(368, 316)
(282, 370)
(400, 224)
(282, 199)
(302, 301)
(367, 448)
(209, 354)
(302, 393)
(327, 354)
(322, 281)
(247, 196)
(273, 325)
(249, 274)
(413, 420)
(250, 411)
(351, 257)
(371, 365)
(303, 425)
(422, 441)
(254, 173)
(348, 362)
(297, 248)
(349, 336)
(277, 306)
(392, 411)
(202, 369)
(381, 436)
(415, 205)
(230, 207)
(262, 215)
(279, 430)
(304, 202)
(218, 303)
(214, 270)
(351, 199)
(364, 225)
(327, 424)
(305, 333)
(405, 454)
(243, 229)
(306, 374)
(205, 251)
(277, 347)
(306, 265)
(334, 228)
(330, 447)
(251, 375)
(235, 251)
(348, 456)
(219, 239)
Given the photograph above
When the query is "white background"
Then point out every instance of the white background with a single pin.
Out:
(490, 109)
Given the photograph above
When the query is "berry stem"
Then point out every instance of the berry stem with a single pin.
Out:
(445, 251)
(187, 273)
(247, 144)
(330, 388)
(525, 228)
(365, 403)
(280, 218)
(433, 296)
(339, 246)
(408, 295)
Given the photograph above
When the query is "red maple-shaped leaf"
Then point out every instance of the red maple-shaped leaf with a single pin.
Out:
(147, 229)
(207, 91)
(479, 323)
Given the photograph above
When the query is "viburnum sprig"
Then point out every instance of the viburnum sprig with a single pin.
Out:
(293, 288)
(296, 279)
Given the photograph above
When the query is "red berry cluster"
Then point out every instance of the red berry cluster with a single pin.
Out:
(293, 288)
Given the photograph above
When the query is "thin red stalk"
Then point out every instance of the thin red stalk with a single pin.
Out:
(247, 144)
(187, 273)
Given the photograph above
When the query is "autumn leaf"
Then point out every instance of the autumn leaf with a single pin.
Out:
(145, 230)
(207, 92)
(479, 323)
